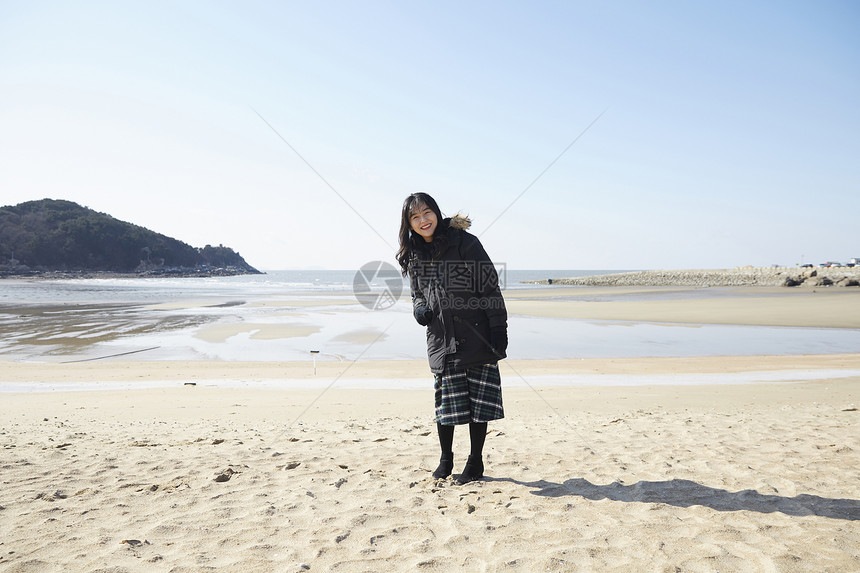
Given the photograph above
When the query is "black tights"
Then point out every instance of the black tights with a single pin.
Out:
(477, 435)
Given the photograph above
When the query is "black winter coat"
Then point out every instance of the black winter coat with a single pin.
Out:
(461, 286)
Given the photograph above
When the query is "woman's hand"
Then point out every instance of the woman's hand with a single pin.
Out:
(423, 315)
(499, 340)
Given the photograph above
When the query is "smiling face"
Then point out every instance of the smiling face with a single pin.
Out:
(423, 221)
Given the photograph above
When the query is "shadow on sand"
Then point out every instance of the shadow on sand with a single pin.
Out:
(686, 493)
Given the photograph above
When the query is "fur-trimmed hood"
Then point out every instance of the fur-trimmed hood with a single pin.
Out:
(460, 221)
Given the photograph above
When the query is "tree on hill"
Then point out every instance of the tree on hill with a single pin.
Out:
(61, 235)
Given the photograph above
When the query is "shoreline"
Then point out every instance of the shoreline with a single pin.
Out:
(702, 278)
(414, 376)
(736, 277)
(192, 370)
(547, 323)
(344, 404)
(91, 274)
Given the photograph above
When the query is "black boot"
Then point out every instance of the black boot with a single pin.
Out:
(446, 441)
(446, 464)
(473, 471)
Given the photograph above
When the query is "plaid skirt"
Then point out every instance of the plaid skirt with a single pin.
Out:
(470, 395)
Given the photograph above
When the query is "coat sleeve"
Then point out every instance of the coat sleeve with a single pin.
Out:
(486, 282)
(418, 298)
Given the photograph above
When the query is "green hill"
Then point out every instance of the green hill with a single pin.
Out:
(54, 235)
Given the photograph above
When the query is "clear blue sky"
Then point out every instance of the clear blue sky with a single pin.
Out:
(731, 132)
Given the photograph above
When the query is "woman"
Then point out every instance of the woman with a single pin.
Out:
(455, 294)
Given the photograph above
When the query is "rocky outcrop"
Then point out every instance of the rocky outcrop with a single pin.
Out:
(848, 282)
(58, 236)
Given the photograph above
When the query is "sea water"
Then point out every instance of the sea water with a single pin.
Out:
(142, 290)
(165, 318)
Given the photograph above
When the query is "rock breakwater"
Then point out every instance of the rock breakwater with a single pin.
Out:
(741, 276)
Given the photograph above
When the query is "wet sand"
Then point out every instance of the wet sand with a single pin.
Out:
(771, 306)
(270, 328)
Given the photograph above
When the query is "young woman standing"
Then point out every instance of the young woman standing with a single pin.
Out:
(456, 295)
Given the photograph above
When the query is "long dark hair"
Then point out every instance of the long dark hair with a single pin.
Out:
(408, 238)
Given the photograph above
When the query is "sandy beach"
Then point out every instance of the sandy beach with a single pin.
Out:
(601, 464)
